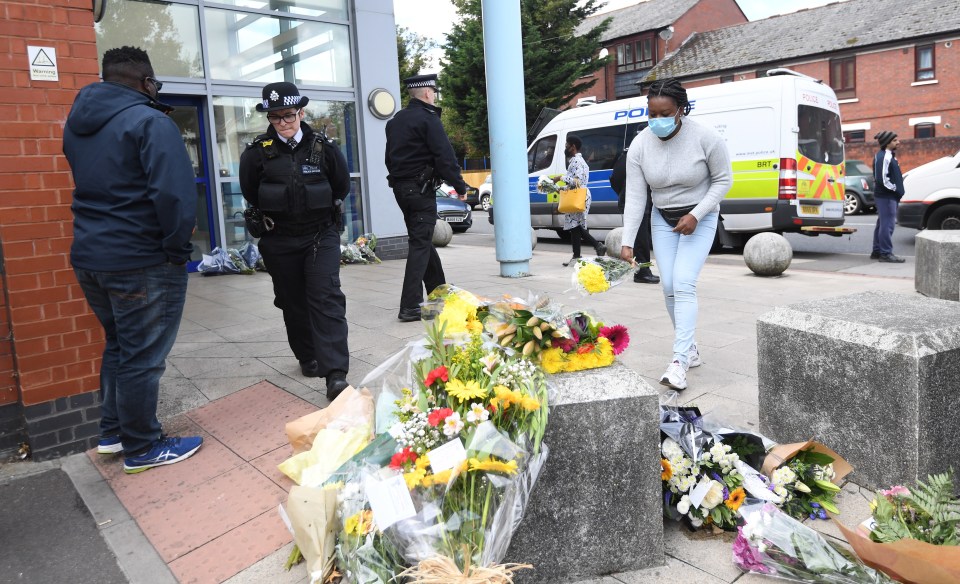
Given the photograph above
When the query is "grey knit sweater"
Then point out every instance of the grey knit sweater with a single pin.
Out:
(691, 168)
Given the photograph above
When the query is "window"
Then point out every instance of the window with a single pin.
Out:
(726, 79)
(843, 77)
(540, 154)
(924, 131)
(925, 63)
(853, 136)
(323, 8)
(636, 55)
(601, 146)
(169, 33)
(761, 73)
(820, 138)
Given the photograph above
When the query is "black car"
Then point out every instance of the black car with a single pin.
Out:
(454, 211)
(858, 184)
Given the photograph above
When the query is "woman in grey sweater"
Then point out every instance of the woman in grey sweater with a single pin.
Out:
(687, 167)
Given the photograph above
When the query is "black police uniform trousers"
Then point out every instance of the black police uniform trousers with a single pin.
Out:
(644, 239)
(423, 263)
(305, 270)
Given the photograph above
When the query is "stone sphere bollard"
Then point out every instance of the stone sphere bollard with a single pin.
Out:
(767, 254)
(533, 238)
(442, 233)
(614, 242)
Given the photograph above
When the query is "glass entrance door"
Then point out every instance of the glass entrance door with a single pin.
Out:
(189, 116)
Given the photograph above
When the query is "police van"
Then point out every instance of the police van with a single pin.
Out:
(786, 148)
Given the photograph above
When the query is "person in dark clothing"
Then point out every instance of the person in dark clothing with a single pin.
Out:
(134, 210)
(889, 190)
(642, 244)
(298, 178)
(418, 157)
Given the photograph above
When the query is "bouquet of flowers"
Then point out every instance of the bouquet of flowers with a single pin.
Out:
(805, 480)
(914, 533)
(588, 345)
(526, 327)
(551, 185)
(363, 555)
(454, 308)
(772, 543)
(706, 492)
(360, 251)
(599, 274)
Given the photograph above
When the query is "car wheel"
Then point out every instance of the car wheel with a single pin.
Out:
(485, 201)
(852, 203)
(946, 217)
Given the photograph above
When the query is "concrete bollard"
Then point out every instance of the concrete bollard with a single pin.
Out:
(614, 242)
(937, 274)
(596, 508)
(767, 254)
(442, 233)
(533, 239)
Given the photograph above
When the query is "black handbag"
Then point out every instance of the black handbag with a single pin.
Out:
(257, 222)
(673, 216)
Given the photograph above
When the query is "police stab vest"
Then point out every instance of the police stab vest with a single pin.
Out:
(294, 185)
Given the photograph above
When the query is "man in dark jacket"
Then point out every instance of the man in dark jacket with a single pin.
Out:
(134, 209)
(641, 246)
(888, 191)
(298, 179)
(419, 156)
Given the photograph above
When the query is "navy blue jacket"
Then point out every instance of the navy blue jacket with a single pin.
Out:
(135, 202)
(893, 173)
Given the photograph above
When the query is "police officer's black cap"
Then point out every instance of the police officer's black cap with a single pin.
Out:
(429, 80)
(281, 95)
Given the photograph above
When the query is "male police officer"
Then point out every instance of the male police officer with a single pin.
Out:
(419, 156)
(298, 179)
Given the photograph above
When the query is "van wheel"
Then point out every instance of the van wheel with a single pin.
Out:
(946, 217)
(564, 235)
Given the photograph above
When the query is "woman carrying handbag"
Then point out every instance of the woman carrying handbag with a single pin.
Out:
(578, 173)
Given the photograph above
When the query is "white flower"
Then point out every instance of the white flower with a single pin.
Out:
(783, 476)
(452, 424)
(671, 449)
(800, 486)
(684, 505)
(490, 361)
(714, 496)
(696, 521)
(477, 413)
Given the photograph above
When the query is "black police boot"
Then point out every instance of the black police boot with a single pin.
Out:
(310, 368)
(645, 276)
(409, 314)
(336, 383)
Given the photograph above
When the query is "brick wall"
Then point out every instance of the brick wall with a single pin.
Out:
(56, 340)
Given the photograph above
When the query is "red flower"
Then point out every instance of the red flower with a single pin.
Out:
(436, 417)
(438, 373)
(564, 344)
(404, 456)
(585, 348)
(617, 334)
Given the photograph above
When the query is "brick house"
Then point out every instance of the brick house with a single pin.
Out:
(893, 65)
(640, 36)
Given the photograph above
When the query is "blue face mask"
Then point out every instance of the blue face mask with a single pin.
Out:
(663, 127)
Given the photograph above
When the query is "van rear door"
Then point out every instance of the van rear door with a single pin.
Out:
(820, 167)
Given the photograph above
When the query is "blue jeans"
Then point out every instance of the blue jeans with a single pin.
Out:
(886, 220)
(679, 260)
(140, 312)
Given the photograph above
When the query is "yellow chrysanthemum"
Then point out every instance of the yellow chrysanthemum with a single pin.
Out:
(591, 278)
(491, 465)
(458, 310)
(505, 397)
(552, 360)
(530, 403)
(413, 478)
(474, 326)
(465, 391)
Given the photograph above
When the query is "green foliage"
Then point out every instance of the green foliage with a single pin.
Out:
(929, 512)
(554, 64)
(412, 56)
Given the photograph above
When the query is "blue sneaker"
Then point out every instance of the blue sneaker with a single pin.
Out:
(109, 445)
(166, 450)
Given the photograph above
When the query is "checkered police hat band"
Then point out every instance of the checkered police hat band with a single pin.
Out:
(427, 83)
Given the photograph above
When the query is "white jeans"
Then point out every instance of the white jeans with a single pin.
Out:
(679, 260)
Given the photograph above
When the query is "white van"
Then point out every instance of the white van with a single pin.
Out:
(932, 195)
(785, 142)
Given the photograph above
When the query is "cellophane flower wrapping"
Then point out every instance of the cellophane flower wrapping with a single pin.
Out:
(772, 543)
(599, 274)
(492, 400)
(364, 555)
(360, 251)
(584, 342)
(805, 476)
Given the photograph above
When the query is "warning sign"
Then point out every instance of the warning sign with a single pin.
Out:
(43, 63)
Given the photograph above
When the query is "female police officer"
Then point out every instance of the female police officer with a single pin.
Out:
(298, 179)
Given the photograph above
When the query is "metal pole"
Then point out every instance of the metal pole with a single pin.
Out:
(503, 58)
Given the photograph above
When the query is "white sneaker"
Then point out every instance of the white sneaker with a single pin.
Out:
(693, 357)
(675, 376)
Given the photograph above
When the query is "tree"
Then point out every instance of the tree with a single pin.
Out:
(555, 60)
(412, 56)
